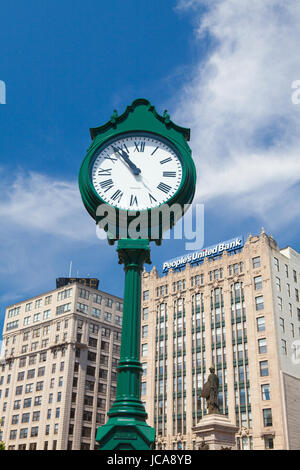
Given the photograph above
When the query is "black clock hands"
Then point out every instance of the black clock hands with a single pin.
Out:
(125, 156)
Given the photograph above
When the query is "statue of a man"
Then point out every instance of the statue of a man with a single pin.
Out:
(210, 392)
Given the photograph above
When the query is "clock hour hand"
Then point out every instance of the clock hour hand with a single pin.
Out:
(124, 155)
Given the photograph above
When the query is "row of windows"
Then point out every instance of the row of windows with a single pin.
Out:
(97, 298)
(36, 401)
(197, 280)
(286, 269)
(25, 417)
(33, 432)
(107, 316)
(67, 293)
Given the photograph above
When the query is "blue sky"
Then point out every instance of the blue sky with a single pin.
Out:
(218, 67)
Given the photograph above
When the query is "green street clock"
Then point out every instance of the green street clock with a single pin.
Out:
(138, 164)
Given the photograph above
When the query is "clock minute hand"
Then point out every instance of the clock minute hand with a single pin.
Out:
(125, 156)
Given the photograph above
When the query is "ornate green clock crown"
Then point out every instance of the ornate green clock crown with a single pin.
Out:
(140, 118)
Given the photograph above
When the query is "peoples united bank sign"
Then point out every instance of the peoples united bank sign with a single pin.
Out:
(210, 252)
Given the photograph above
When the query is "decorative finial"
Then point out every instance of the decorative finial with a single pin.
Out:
(114, 116)
(262, 230)
(166, 116)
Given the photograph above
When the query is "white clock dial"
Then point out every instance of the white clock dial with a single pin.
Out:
(137, 172)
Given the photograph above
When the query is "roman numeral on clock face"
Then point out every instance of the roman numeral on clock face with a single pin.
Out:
(124, 147)
(164, 187)
(166, 160)
(169, 174)
(104, 172)
(107, 157)
(152, 198)
(133, 200)
(107, 184)
(117, 196)
(139, 147)
(154, 150)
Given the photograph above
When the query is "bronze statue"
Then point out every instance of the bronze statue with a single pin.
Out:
(210, 392)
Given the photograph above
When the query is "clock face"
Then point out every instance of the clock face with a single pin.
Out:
(136, 172)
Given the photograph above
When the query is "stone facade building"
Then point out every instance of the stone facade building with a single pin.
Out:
(58, 368)
(239, 311)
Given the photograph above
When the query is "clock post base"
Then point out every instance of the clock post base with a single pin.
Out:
(126, 428)
(125, 434)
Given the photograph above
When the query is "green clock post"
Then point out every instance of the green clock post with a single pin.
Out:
(138, 163)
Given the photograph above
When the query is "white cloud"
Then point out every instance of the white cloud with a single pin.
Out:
(244, 126)
(43, 227)
(36, 202)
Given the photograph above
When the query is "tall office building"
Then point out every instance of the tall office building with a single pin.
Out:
(58, 368)
(235, 306)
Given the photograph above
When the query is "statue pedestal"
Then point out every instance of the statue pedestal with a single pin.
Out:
(214, 432)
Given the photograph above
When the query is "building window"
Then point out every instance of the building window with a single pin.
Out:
(276, 264)
(29, 388)
(281, 324)
(96, 312)
(63, 308)
(43, 357)
(64, 294)
(262, 345)
(36, 317)
(22, 362)
(25, 417)
(13, 434)
(278, 284)
(146, 295)
(27, 403)
(258, 283)
(294, 275)
(46, 314)
(13, 312)
(264, 368)
(84, 294)
(97, 298)
(267, 415)
(145, 331)
(265, 392)
(93, 328)
(23, 433)
(269, 442)
(34, 431)
(145, 313)
(82, 308)
(259, 302)
(256, 262)
(38, 400)
(144, 349)
(286, 270)
(30, 373)
(48, 299)
(107, 317)
(108, 302)
(283, 347)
